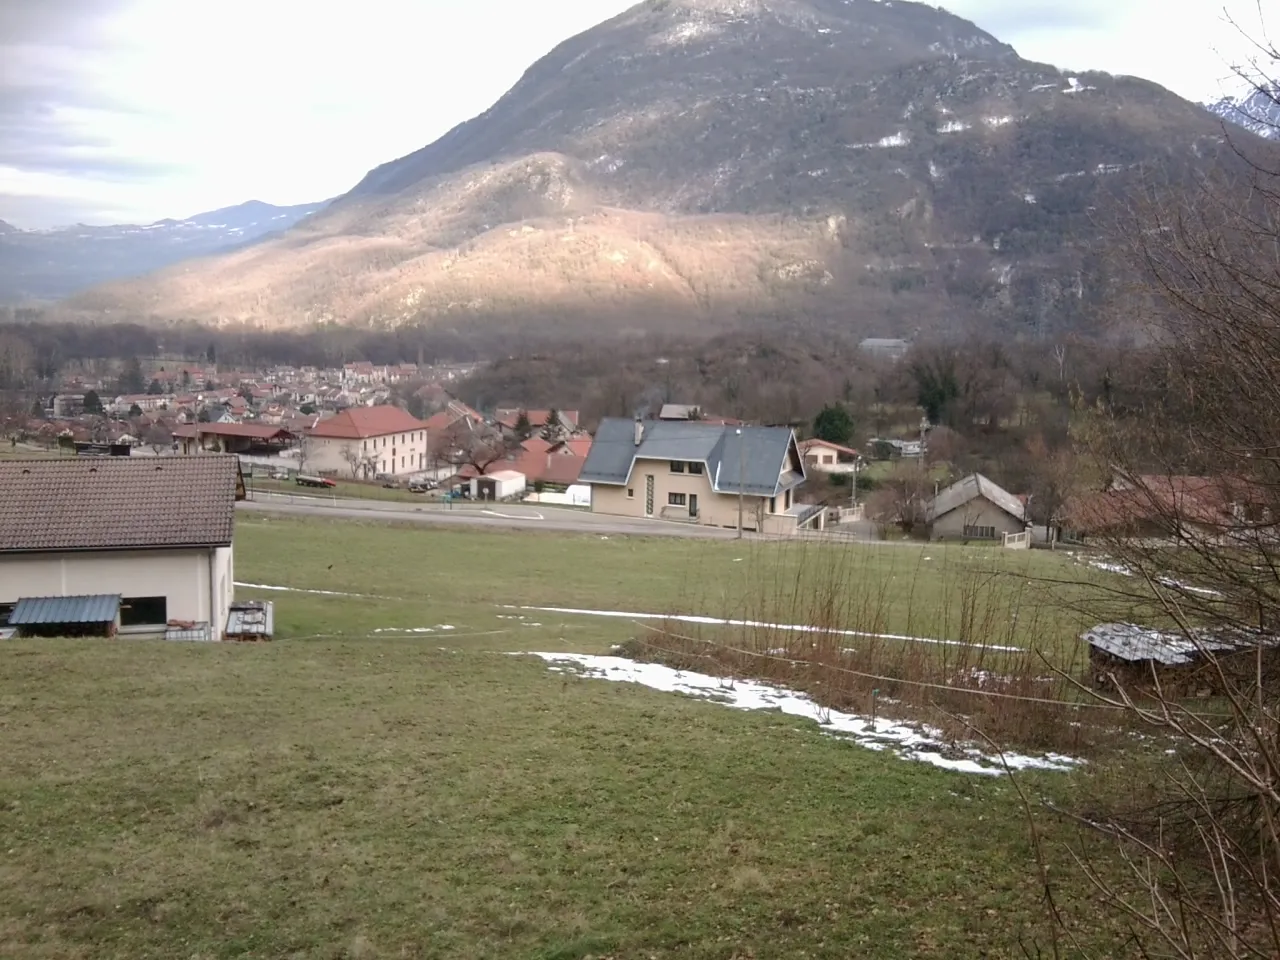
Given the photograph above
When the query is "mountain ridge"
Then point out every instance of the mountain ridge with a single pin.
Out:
(54, 263)
(856, 166)
(1257, 111)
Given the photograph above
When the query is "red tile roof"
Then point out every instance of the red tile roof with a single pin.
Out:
(359, 423)
(116, 503)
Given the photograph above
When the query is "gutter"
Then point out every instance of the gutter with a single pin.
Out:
(21, 551)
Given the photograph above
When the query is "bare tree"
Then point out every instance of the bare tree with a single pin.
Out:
(1191, 515)
(158, 437)
(362, 465)
(478, 445)
(902, 498)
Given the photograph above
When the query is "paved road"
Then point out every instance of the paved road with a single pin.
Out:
(498, 515)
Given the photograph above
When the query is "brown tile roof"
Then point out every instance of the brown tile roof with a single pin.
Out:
(359, 423)
(116, 503)
(253, 431)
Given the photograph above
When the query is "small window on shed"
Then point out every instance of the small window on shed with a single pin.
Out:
(139, 611)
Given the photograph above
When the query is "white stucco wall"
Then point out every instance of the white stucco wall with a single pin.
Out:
(397, 454)
(198, 584)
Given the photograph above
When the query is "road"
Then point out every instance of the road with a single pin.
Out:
(498, 515)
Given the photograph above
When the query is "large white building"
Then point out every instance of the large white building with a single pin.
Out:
(365, 442)
(100, 545)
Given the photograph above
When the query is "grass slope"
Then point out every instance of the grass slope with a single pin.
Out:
(430, 796)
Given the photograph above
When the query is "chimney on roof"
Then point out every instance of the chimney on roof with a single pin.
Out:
(639, 431)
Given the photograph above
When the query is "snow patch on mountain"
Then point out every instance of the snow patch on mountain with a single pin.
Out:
(1257, 111)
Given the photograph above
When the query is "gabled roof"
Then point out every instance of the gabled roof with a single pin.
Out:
(971, 488)
(117, 503)
(359, 423)
(251, 431)
(807, 445)
(762, 451)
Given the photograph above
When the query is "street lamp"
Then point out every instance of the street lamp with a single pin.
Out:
(742, 466)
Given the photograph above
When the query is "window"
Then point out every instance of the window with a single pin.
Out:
(677, 499)
(135, 611)
(677, 466)
(695, 468)
(773, 504)
(631, 493)
(979, 533)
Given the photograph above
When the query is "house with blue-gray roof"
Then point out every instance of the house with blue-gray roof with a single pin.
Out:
(722, 475)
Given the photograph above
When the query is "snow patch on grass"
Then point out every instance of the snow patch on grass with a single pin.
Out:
(911, 742)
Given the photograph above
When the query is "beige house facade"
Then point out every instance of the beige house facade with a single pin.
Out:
(699, 473)
(976, 509)
(155, 586)
(366, 442)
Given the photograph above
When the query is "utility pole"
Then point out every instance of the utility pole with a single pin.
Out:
(742, 466)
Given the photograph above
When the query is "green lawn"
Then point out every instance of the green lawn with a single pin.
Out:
(348, 489)
(463, 576)
(366, 794)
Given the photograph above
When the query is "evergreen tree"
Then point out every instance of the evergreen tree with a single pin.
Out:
(154, 388)
(37, 409)
(833, 424)
(551, 430)
(524, 429)
(131, 379)
(92, 402)
(135, 411)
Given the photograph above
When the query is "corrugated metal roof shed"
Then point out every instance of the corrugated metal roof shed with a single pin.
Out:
(98, 608)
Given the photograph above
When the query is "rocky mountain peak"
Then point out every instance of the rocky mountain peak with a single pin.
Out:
(1257, 111)
(841, 164)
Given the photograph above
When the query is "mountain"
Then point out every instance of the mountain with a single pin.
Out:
(47, 264)
(832, 165)
(1258, 112)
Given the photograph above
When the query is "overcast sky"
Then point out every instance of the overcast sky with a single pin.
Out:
(133, 110)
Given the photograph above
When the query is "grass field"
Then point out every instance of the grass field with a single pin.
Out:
(343, 489)
(345, 792)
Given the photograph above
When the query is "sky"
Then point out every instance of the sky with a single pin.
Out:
(115, 111)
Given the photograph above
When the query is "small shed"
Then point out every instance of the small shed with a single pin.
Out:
(499, 485)
(251, 620)
(96, 615)
(1137, 656)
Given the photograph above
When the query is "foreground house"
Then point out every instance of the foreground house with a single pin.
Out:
(366, 442)
(697, 472)
(976, 509)
(118, 544)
